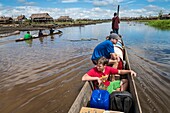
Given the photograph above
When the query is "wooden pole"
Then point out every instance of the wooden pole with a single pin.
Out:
(118, 10)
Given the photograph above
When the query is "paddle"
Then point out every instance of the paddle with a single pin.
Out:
(118, 10)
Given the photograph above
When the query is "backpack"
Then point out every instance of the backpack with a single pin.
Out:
(100, 99)
(121, 101)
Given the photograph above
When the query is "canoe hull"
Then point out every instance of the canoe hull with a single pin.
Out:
(9, 34)
(82, 99)
(85, 93)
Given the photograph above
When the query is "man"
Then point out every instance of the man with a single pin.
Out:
(40, 34)
(27, 35)
(115, 23)
(100, 73)
(51, 31)
(106, 49)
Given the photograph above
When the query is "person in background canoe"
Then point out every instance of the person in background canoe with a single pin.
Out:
(27, 35)
(40, 34)
(100, 73)
(115, 23)
(51, 31)
(106, 49)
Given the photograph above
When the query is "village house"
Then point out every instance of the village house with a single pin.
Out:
(165, 16)
(64, 19)
(153, 17)
(41, 17)
(21, 18)
(5, 20)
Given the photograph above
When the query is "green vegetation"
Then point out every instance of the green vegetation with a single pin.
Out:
(161, 24)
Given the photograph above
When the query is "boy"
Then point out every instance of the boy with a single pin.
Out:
(100, 73)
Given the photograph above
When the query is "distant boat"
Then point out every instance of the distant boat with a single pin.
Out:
(9, 34)
(36, 36)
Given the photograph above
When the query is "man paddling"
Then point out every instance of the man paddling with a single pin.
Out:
(27, 35)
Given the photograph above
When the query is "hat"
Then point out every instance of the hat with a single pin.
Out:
(114, 36)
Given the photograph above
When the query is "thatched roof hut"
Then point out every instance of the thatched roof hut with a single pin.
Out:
(165, 16)
(64, 19)
(5, 20)
(21, 17)
(41, 17)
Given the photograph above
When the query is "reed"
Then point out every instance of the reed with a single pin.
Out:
(161, 24)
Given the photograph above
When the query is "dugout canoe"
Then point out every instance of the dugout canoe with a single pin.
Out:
(36, 36)
(9, 34)
(86, 91)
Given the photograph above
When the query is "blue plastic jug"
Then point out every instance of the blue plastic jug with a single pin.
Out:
(100, 99)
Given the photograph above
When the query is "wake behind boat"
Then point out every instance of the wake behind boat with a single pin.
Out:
(36, 36)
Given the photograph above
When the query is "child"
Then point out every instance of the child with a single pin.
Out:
(100, 73)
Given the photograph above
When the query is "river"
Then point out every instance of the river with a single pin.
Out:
(44, 75)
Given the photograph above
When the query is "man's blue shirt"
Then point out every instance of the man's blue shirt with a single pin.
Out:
(103, 49)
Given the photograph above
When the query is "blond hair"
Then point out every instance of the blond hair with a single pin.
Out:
(102, 60)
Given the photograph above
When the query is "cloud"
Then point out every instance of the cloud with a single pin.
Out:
(100, 3)
(130, 2)
(150, 0)
(93, 13)
(69, 1)
(27, 3)
(145, 11)
(153, 8)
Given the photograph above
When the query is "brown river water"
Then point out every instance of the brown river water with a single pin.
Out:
(44, 75)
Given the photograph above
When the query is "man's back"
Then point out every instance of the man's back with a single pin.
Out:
(27, 36)
(103, 49)
(115, 22)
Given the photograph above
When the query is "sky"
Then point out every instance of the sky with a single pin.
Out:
(92, 9)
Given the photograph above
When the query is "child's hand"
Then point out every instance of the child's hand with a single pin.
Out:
(133, 73)
(103, 78)
(99, 81)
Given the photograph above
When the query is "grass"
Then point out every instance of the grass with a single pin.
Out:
(162, 24)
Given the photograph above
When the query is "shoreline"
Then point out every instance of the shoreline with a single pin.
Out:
(14, 27)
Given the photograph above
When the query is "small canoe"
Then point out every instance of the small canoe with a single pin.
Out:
(85, 94)
(36, 36)
(9, 34)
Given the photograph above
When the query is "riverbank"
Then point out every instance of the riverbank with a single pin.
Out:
(37, 26)
(160, 24)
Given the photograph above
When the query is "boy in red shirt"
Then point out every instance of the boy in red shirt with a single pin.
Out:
(101, 72)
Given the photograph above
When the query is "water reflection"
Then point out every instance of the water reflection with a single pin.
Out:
(52, 38)
(41, 39)
(29, 42)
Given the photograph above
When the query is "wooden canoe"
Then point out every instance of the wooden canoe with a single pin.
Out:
(86, 91)
(9, 34)
(36, 36)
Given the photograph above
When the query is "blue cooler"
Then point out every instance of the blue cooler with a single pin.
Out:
(100, 99)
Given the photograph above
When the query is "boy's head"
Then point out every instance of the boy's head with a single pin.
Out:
(114, 38)
(101, 63)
